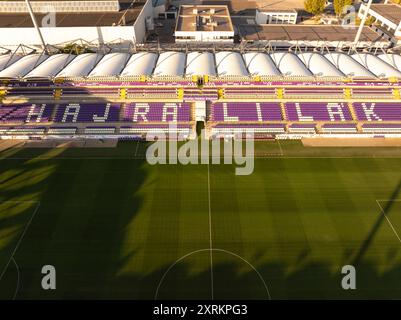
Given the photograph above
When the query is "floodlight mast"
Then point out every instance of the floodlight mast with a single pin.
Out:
(35, 23)
(362, 24)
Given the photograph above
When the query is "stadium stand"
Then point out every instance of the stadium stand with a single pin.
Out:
(276, 93)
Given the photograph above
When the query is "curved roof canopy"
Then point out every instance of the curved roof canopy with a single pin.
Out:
(348, 66)
(200, 63)
(392, 59)
(319, 65)
(230, 64)
(51, 67)
(170, 63)
(290, 65)
(81, 66)
(8, 59)
(23, 66)
(110, 65)
(377, 66)
(141, 63)
(260, 64)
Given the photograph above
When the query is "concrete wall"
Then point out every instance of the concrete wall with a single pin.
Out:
(64, 35)
(140, 24)
(276, 17)
(11, 37)
(199, 36)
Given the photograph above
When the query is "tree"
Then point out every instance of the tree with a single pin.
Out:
(339, 6)
(314, 7)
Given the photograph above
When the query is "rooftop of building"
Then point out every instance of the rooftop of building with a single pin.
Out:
(391, 12)
(204, 18)
(86, 19)
(304, 33)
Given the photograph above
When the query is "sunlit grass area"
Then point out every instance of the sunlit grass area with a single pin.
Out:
(114, 226)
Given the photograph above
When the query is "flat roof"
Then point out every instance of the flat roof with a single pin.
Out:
(87, 19)
(303, 32)
(235, 7)
(203, 18)
(391, 12)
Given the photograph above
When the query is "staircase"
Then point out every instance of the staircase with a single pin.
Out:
(283, 111)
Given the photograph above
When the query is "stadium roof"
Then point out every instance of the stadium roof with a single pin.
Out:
(376, 65)
(8, 59)
(199, 63)
(222, 63)
(230, 64)
(81, 66)
(110, 65)
(260, 64)
(319, 65)
(23, 66)
(392, 59)
(290, 65)
(170, 63)
(142, 63)
(347, 65)
(51, 66)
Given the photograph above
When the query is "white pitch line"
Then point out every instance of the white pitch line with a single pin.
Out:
(22, 236)
(18, 279)
(208, 249)
(210, 232)
(388, 220)
(281, 149)
(136, 149)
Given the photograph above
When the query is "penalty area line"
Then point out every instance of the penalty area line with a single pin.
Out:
(387, 218)
(22, 235)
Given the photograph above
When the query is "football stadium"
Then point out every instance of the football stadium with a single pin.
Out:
(77, 192)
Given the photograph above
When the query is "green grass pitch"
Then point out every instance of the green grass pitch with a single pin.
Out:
(114, 226)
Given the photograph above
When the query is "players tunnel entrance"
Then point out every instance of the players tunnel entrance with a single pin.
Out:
(200, 125)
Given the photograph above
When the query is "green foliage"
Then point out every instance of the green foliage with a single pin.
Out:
(75, 49)
(339, 6)
(314, 7)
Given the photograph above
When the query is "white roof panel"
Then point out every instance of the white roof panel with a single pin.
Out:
(141, 63)
(392, 59)
(81, 66)
(319, 65)
(8, 60)
(290, 65)
(51, 67)
(377, 66)
(23, 66)
(230, 64)
(260, 64)
(110, 65)
(170, 63)
(348, 66)
(200, 63)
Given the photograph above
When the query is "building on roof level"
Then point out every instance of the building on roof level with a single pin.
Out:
(204, 23)
(276, 16)
(387, 18)
(83, 21)
(61, 5)
(309, 35)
